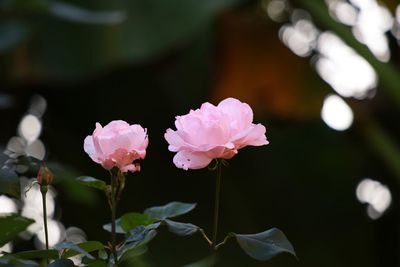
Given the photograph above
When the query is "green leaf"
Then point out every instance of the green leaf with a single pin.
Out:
(88, 246)
(137, 238)
(36, 254)
(118, 227)
(130, 251)
(182, 229)
(92, 182)
(74, 247)
(170, 210)
(142, 234)
(102, 254)
(62, 263)
(11, 226)
(132, 220)
(265, 245)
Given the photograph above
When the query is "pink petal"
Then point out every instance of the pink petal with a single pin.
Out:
(189, 160)
(131, 168)
(90, 149)
(256, 137)
(241, 114)
(174, 140)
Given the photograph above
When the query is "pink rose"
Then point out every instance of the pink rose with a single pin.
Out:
(213, 132)
(118, 144)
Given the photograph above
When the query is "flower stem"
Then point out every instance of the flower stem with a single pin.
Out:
(216, 207)
(43, 190)
(113, 212)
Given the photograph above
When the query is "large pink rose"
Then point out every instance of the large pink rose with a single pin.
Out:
(213, 132)
(118, 144)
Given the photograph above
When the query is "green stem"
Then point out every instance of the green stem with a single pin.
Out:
(224, 241)
(43, 190)
(113, 212)
(384, 145)
(216, 207)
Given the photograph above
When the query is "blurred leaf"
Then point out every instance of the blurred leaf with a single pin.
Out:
(36, 254)
(12, 33)
(182, 229)
(92, 182)
(265, 245)
(11, 226)
(80, 15)
(127, 252)
(11, 261)
(156, 25)
(70, 186)
(118, 227)
(131, 220)
(38, 6)
(74, 247)
(150, 29)
(88, 246)
(97, 263)
(206, 262)
(62, 263)
(9, 183)
(103, 254)
(169, 210)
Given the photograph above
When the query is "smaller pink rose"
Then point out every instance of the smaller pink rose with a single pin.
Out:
(118, 144)
(213, 132)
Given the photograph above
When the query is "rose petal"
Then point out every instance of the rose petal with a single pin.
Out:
(188, 160)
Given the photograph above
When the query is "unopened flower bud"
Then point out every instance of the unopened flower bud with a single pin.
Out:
(45, 176)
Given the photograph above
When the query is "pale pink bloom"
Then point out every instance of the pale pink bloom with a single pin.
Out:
(118, 144)
(213, 132)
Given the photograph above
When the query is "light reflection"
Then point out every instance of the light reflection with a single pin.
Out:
(336, 113)
(16, 146)
(38, 106)
(369, 20)
(56, 234)
(33, 201)
(29, 130)
(275, 9)
(33, 205)
(349, 74)
(343, 11)
(7, 248)
(375, 194)
(75, 235)
(301, 35)
(7, 205)
(36, 149)
(30, 127)
(373, 22)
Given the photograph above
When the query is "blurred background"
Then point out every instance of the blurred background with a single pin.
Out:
(323, 76)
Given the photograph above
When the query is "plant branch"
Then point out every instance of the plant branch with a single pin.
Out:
(43, 190)
(216, 207)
